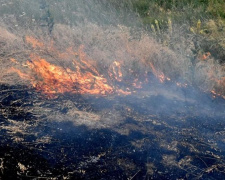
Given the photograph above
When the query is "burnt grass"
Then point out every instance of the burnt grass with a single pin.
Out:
(156, 137)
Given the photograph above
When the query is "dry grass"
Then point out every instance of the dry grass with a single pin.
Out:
(136, 50)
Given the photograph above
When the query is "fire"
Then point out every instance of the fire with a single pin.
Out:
(160, 75)
(204, 56)
(82, 77)
(218, 83)
(120, 91)
(21, 74)
(215, 94)
(81, 74)
(115, 71)
(137, 84)
(52, 79)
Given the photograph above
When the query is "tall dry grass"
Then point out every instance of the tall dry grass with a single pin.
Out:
(105, 43)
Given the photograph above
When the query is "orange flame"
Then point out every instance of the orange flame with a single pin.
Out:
(21, 74)
(204, 56)
(115, 72)
(82, 77)
(53, 79)
(158, 74)
(215, 94)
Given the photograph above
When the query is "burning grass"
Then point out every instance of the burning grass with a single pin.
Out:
(104, 61)
(120, 105)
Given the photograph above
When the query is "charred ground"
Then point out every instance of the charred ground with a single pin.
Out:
(142, 136)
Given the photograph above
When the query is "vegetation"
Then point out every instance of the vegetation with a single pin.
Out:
(193, 29)
(203, 20)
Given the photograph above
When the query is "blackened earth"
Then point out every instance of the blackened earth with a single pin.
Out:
(164, 133)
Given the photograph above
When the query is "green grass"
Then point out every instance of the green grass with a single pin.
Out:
(203, 20)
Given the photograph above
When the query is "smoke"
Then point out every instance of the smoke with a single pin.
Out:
(108, 31)
(165, 121)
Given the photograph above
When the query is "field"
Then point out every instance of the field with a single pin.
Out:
(116, 89)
